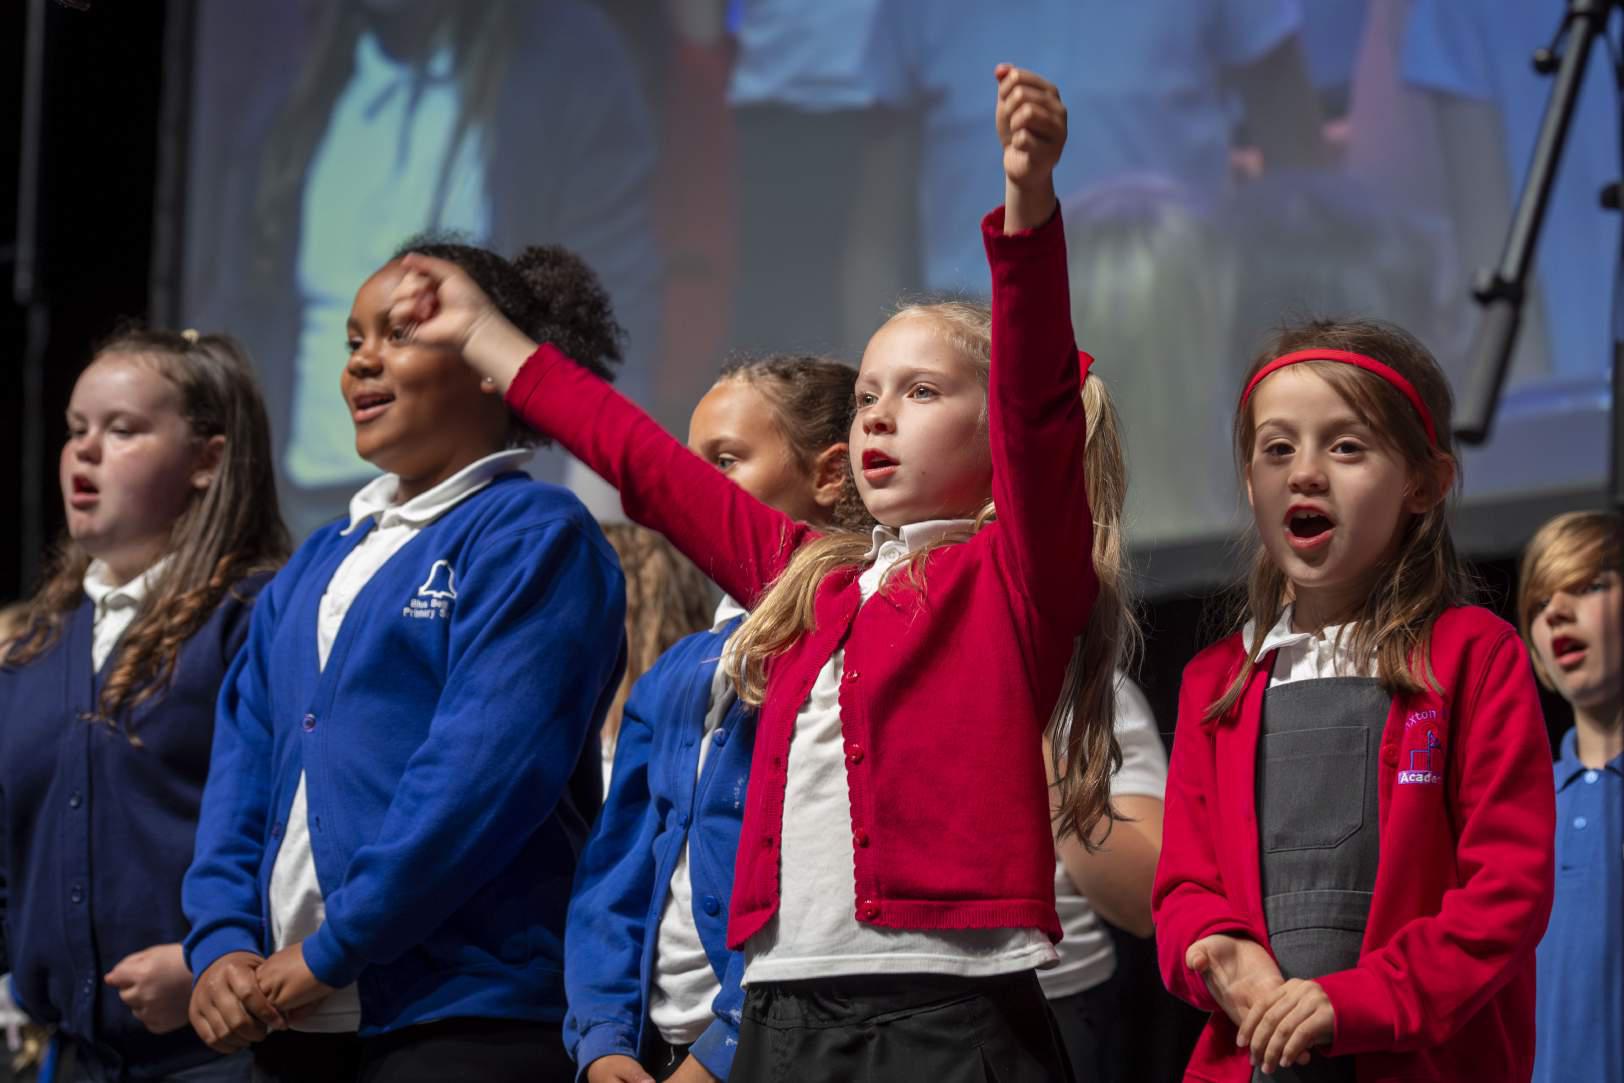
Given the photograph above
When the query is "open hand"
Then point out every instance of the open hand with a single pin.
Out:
(1282, 1027)
(1239, 972)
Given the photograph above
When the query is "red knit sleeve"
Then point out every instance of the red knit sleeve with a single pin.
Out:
(735, 539)
(1036, 426)
(1434, 975)
(1188, 899)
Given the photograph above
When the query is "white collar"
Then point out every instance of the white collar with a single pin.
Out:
(105, 595)
(1334, 636)
(915, 536)
(726, 610)
(377, 497)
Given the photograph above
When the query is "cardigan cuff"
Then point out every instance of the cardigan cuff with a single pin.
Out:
(604, 1040)
(1363, 1011)
(715, 1048)
(1195, 986)
(530, 377)
(1049, 236)
(209, 949)
(328, 961)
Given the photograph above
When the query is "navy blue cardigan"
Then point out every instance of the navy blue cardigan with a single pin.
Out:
(450, 758)
(98, 831)
(655, 805)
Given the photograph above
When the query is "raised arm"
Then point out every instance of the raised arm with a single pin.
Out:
(735, 539)
(1036, 422)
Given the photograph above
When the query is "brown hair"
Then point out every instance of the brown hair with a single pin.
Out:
(1087, 754)
(1426, 576)
(229, 530)
(1566, 552)
(667, 598)
(812, 401)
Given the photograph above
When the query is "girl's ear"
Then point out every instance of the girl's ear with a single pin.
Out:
(209, 458)
(1431, 486)
(829, 475)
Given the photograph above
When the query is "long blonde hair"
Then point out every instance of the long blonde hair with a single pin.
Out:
(1086, 754)
(1426, 576)
(228, 531)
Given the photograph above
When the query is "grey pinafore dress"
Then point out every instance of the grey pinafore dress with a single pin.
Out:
(1317, 759)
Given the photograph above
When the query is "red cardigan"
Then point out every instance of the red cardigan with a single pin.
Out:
(1444, 988)
(945, 696)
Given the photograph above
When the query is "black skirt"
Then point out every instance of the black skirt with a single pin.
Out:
(903, 1028)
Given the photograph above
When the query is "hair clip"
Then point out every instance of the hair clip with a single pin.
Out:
(190, 335)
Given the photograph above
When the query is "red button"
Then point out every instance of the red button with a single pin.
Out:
(854, 753)
(868, 909)
(860, 837)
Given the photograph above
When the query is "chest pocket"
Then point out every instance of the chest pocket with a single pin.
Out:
(1311, 793)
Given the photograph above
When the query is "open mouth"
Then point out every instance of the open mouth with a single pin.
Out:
(1308, 527)
(369, 404)
(1568, 651)
(877, 465)
(82, 493)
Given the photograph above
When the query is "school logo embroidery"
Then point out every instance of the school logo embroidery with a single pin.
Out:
(1423, 763)
(435, 596)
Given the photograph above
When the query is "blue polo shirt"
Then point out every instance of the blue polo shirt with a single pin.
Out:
(1579, 1018)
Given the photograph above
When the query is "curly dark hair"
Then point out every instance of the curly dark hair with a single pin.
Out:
(547, 291)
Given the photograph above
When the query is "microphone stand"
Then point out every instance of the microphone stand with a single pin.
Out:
(1503, 289)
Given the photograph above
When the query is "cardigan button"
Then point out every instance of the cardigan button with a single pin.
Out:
(721, 738)
(309, 722)
(75, 799)
(860, 837)
(77, 894)
(852, 675)
(868, 910)
(854, 752)
(711, 905)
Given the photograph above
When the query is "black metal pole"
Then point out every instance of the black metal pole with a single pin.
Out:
(27, 292)
(1501, 291)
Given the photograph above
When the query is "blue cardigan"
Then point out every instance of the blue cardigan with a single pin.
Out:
(449, 754)
(98, 831)
(655, 805)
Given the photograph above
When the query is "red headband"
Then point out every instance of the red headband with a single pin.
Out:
(1084, 361)
(1369, 364)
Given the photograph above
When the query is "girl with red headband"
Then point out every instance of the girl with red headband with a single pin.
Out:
(1357, 859)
